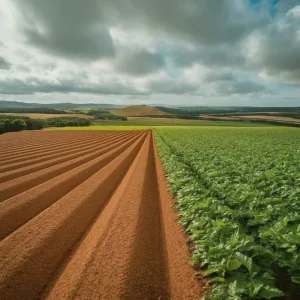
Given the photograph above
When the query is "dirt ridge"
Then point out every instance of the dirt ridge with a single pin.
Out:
(47, 162)
(100, 226)
(51, 153)
(43, 143)
(16, 185)
(19, 209)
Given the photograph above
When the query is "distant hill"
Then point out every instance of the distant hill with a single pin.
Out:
(237, 109)
(87, 105)
(16, 104)
(139, 111)
(38, 110)
(145, 110)
(47, 116)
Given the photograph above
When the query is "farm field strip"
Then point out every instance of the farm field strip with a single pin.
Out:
(42, 145)
(50, 162)
(137, 210)
(47, 137)
(238, 192)
(16, 210)
(50, 151)
(47, 116)
(14, 186)
(41, 136)
(53, 153)
(99, 226)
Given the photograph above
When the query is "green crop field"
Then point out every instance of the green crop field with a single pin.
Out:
(238, 194)
(237, 191)
(152, 122)
(141, 126)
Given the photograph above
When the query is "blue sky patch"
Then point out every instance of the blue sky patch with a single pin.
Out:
(271, 6)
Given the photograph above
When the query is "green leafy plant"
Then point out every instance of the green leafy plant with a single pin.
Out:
(238, 195)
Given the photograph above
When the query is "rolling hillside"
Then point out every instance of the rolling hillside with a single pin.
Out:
(139, 111)
(18, 104)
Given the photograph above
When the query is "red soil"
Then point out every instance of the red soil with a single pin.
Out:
(87, 215)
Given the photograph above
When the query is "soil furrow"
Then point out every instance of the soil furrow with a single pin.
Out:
(13, 187)
(36, 249)
(39, 149)
(69, 276)
(14, 155)
(123, 248)
(96, 224)
(148, 253)
(9, 175)
(27, 160)
(48, 139)
(50, 142)
(19, 209)
(124, 255)
(23, 137)
(182, 279)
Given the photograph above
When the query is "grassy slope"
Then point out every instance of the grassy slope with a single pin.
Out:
(138, 110)
(141, 127)
(171, 122)
(253, 117)
(149, 123)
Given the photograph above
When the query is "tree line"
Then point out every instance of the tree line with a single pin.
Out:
(16, 123)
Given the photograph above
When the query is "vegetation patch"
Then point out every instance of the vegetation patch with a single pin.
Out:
(14, 123)
(102, 114)
(139, 111)
(238, 195)
(66, 122)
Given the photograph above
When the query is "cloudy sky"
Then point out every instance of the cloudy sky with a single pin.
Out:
(191, 52)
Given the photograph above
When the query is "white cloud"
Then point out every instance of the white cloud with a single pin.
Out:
(275, 50)
(140, 50)
(69, 28)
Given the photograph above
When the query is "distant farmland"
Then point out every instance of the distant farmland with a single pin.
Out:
(139, 110)
(88, 214)
(273, 118)
(80, 208)
(47, 116)
(255, 117)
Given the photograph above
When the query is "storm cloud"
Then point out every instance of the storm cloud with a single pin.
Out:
(69, 28)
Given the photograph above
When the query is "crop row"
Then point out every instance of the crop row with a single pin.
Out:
(87, 215)
(238, 193)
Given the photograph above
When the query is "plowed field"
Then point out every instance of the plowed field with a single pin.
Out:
(87, 215)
